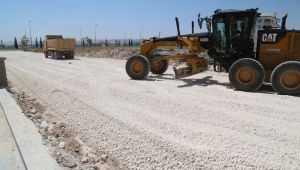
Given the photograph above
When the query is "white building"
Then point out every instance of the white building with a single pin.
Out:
(268, 19)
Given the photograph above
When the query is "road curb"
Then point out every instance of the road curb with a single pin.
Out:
(35, 155)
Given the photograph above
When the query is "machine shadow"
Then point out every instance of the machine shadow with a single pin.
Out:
(204, 82)
(267, 88)
(63, 59)
(208, 81)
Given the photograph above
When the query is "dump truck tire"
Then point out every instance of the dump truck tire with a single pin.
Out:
(246, 74)
(138, 67)
(285, 78)
(160, 68)
(70, 55)
(57, 55)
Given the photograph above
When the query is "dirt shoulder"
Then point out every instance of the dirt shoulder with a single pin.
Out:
(107, 52)
(66, 148)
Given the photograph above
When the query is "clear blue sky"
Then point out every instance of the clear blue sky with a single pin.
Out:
(117, 17)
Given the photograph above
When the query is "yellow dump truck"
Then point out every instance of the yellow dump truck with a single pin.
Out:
(58, 47)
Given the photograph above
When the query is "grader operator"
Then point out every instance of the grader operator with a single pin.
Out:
(229, 41)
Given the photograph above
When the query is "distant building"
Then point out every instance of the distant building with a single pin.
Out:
(268, 19)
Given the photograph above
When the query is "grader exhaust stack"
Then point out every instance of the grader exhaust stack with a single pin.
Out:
(177, 26)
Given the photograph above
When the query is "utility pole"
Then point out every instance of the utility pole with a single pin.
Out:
(30, 33)
(81, 38)
(96, 34)
(25, 33)
(159, 34)
(25, 36)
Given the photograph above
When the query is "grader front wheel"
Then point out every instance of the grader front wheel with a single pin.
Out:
(138, 67)
(160, 67)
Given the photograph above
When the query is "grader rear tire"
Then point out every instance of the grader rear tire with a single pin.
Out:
(246, 75)
(160, 68)
(138, 67)
(285, 78)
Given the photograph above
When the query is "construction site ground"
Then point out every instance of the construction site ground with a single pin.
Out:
(198, 122)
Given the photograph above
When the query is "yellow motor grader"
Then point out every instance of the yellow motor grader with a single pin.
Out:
(230, 42)
(152, 58)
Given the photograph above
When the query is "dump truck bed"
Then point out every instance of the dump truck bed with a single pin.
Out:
(58, 47)
(67, 44)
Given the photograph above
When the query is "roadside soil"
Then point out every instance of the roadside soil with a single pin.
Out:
(66, 148)
(107, 52)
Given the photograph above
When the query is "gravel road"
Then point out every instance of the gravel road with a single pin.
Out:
(198, 122)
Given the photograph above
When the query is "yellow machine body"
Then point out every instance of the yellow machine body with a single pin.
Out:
(276, 47)
(191, 47)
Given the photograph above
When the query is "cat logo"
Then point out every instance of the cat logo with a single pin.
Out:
(269, 38)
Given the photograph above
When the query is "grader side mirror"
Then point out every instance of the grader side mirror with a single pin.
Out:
(208, 24)
(200, 21)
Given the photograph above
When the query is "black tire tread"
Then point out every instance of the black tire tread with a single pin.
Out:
(259, 69)
(275, 77)
(163, 69)
(144, 73)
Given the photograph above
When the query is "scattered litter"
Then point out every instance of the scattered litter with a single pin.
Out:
(33, 111)
(39, 121)
(61, 145)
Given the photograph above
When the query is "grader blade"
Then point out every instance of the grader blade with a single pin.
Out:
(181, 72)
(194, 68)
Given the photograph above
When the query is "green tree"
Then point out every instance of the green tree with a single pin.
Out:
(1, 44)
(36, 43)
(106, 43)
(41, 42)
(16, 43)
(83, 43)
(89, 41)
(24, 41)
